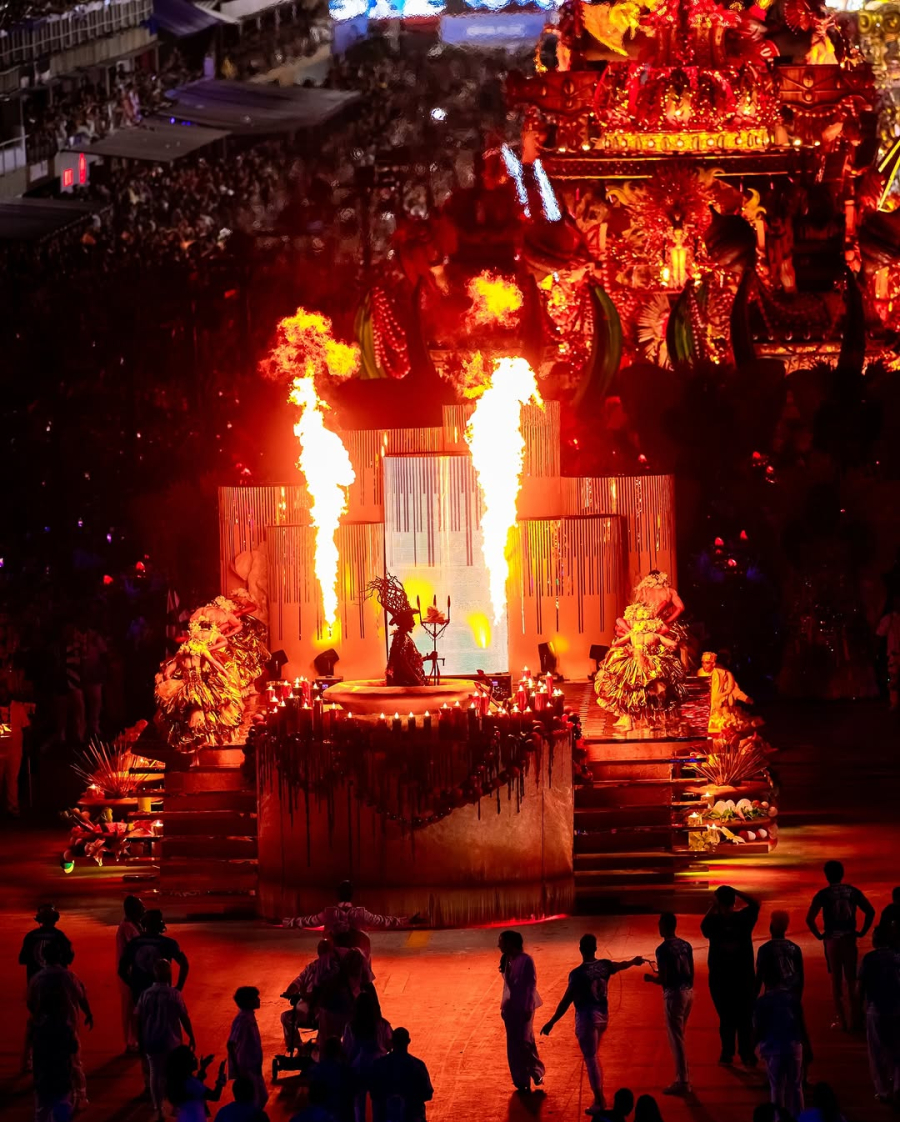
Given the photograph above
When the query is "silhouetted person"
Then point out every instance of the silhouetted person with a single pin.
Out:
(675, 973)
(779, 959)
(780, 1033)
(587, 991)
(890, 918)
(646, 1109)
(825, 1107)
(161, 1014)
(31, 956)
(333, 1073)
(839, 903)
(398, 1074)
(316, 1109)
(245, 1054)
(731, 977)
(520, 1000)
(129, 928)
(366, 1039)
(879, 989)
(55, 990)
(186, 1086)
(144, 951)
(54, 1046)
(244, 1108)
(623, 1105)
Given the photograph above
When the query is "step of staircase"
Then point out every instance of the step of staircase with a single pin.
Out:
(196, 846)
(205, 778)
(633, 859)
(609, 817)
(207, 875)
(619, 840)
(204, 823)
(240, 800)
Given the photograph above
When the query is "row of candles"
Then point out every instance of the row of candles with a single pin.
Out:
(301, 707)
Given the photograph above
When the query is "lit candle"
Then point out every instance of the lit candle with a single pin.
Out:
(445, 729)
(410, 723)
(397, 724)
(426, 722)
(541, 700)
(318, 713)
(472, 719)
(522, 695)
(549, 682)
(284, 689)
(304, 718)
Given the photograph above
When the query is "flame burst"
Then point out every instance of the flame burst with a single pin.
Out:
(494, 300)
(304, 350)
(495, 439)
(326, 465)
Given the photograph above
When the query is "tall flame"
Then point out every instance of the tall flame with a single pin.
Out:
(495, 439)
(495, 300)
(305, 349)
(326, 464)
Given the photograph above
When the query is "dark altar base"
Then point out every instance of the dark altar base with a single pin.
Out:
(502, 851)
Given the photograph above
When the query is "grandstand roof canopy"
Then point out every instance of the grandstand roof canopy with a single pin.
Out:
(157, 141)
(29, 220)
(248, 108)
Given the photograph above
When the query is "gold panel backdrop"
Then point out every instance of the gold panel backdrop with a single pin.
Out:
(540, 427)
(245, 513)
(567, 583)
(295, 609)
(646, 502)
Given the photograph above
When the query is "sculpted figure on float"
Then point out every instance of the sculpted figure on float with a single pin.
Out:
(404, 666)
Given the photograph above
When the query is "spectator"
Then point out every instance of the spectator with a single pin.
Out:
(186, 1086)
(517, 1006)
(647, 1110)
(245, 1055)
(779, 959)
(587, 991)
(143, 952)
(129, 928)
(244, 1108)
(623, 1105)
(334, 1074)
(56, 990)
(675, 973)
(366, 1039)
(824, 1107)
(161, 1014)
(780, 1032)
(34, 946)
(54, 1047)
(404, 1076)
(890, 917)
(731, 970)
(879, 990)
(839, 903)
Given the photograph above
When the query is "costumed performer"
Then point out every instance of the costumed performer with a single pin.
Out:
(199, 700)
(641, 677)
(723, 693)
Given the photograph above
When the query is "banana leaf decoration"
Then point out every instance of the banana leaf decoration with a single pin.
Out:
(852, 358)
(365, 336)
(741, 338)
(606, 350)
(686, 330)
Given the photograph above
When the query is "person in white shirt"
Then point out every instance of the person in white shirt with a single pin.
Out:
(323, 969)
(161, 1014)
(346, 923)
(520, 999)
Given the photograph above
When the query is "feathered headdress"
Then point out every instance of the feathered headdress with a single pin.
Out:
(391, 595)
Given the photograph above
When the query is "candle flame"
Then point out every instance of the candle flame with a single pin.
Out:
(495, 439)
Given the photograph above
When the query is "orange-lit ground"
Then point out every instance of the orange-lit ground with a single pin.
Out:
(838, 768)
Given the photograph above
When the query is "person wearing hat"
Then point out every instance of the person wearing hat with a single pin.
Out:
(31, 956)
(138, 964)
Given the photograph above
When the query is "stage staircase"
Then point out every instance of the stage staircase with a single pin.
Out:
(630, 853)
(208, 837)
